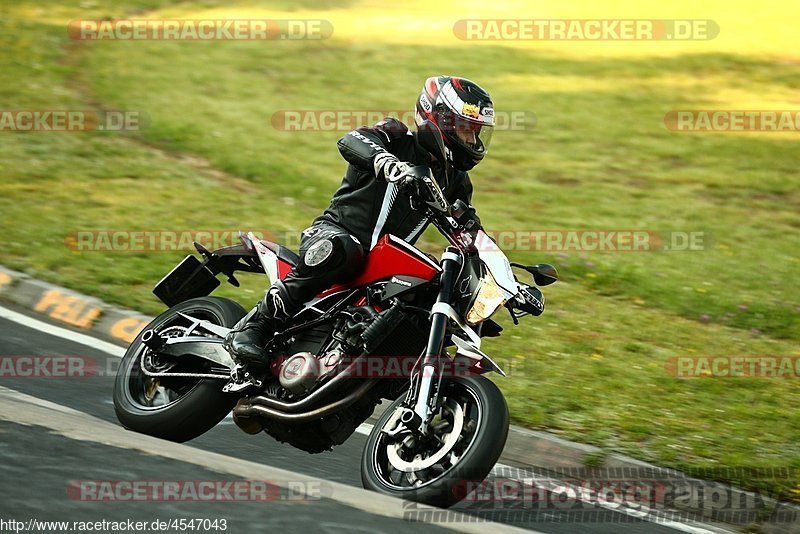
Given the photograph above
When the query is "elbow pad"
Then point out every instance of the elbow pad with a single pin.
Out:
(359, 147)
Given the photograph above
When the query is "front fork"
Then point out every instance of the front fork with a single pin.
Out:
(425, 397)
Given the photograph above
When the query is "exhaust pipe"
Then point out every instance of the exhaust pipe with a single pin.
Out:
(248, 410)
(312, 399)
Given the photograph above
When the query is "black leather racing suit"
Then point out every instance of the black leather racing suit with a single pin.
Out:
(365, 207)
(334, 248)
(369, 207)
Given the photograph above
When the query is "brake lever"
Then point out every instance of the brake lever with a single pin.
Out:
(512, 314)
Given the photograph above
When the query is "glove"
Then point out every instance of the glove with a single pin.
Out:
(388, 167)
(530, 299)
(467, 217)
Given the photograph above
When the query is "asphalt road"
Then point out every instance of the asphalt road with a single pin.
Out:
(37, 465)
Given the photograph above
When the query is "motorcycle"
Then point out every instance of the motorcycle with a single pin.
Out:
(442, 427)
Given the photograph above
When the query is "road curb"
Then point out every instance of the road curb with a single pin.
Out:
(533, 452)
(70, 307)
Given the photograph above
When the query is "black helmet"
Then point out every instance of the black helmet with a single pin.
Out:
(464, 113)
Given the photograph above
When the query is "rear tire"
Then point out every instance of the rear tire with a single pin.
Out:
(201, 403)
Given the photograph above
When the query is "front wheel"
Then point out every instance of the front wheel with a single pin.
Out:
(174, 408)
(467, 437)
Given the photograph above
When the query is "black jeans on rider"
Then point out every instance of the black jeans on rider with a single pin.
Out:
(328, 255)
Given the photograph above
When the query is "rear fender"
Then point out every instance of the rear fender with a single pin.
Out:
(193, 278)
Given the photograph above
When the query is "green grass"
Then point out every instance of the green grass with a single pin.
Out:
(592, 367)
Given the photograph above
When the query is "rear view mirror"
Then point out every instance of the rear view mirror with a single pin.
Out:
(544, 274)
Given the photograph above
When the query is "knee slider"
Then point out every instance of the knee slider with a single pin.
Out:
(321, 252)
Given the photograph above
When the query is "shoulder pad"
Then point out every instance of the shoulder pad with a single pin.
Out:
(392, 128)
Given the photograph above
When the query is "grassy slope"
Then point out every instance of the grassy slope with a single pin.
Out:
(599, 158)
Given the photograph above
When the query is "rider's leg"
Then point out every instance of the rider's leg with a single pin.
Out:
(247, 343)
(328, 255)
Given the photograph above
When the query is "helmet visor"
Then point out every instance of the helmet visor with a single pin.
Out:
(474, 135)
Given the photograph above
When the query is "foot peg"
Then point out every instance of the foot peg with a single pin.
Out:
(241, 380)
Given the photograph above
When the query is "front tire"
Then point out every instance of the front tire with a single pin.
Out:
(484, 429)
(176, 409)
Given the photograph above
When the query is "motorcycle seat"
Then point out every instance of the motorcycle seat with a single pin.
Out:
(284, 253)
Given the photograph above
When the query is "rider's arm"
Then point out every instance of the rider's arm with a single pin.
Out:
(464, 193)
(370, 148)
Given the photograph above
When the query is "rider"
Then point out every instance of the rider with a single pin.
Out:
(367, 205)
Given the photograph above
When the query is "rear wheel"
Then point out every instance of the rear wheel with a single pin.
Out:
(467, 437)
(174, 408)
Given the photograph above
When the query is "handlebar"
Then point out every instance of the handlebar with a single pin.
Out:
(427, 196)
(426, 186)
(446, 217)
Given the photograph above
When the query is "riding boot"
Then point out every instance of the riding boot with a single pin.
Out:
(247, 343)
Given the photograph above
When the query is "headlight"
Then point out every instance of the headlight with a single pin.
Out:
(490, 297)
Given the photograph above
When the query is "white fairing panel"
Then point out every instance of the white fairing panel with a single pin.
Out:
(268, 258)
(497, 263)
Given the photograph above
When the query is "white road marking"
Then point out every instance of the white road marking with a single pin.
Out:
(63, 333)
(27, 410)
(364, 428)
(584, 495)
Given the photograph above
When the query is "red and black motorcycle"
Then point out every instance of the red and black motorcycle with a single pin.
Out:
(339, 357)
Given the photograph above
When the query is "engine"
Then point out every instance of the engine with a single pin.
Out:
(301, 372)
(319, 353)
(316, 355)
